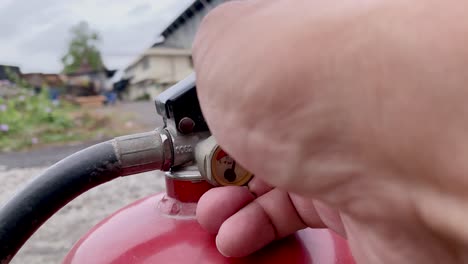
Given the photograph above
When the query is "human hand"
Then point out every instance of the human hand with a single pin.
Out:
(352, 115)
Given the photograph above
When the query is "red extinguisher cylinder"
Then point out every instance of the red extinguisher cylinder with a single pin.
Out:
(162, 229)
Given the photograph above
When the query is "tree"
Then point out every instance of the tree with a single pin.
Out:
(82, 49)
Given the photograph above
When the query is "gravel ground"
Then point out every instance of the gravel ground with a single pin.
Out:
(55, 238)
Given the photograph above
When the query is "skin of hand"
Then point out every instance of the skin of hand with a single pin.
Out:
(352, 114)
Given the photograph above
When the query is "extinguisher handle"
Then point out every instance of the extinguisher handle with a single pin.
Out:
(183, 118)
(179, 107)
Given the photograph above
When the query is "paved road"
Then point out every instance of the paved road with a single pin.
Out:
(53, 240)
(144, 112)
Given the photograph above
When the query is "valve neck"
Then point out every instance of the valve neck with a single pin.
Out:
(186, 185)
(183, 190)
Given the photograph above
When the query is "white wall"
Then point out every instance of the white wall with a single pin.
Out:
(162, 71)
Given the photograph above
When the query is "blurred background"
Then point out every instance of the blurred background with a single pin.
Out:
(76, 72)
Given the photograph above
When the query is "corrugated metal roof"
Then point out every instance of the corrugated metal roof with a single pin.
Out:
(189, 12)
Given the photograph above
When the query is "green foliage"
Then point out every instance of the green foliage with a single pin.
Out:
(82, 49)
(15, 78)
(28, 119)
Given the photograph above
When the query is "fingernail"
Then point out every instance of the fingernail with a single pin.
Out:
(219, 247)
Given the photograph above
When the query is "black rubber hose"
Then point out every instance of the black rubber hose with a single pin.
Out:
(29, 208)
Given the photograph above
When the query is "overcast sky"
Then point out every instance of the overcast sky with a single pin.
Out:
(34, 33)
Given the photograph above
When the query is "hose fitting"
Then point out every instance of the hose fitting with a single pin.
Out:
(144, 151)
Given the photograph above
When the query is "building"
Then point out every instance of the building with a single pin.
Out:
(89, 83)
(44, 79)
(169, 60)
(53, 82)
(181, 32)
(87, 86)
(156, 69)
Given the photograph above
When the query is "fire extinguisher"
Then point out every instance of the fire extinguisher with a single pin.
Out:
(161, 228)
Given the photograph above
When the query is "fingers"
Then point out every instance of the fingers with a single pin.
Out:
(258, 187)
(265, 219)
(218, 204)
(330, 217)
(245, 223)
